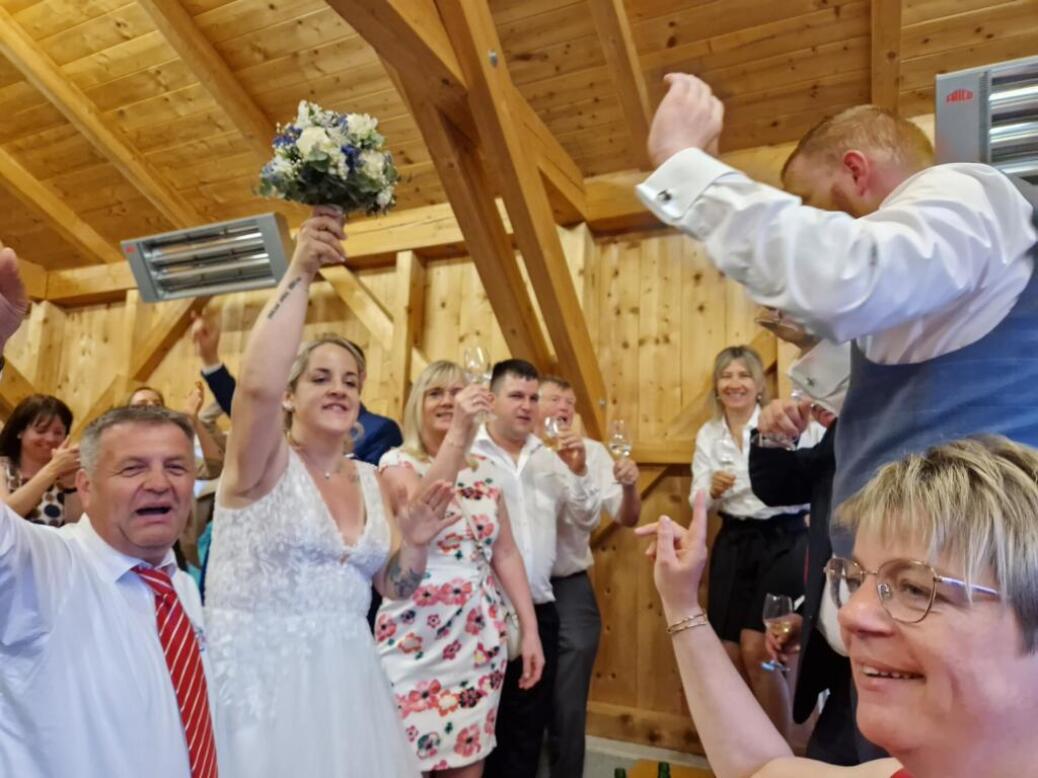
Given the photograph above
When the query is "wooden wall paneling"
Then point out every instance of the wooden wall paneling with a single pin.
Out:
(45, 331)
(242, 18)
(63, 220)
(14, 387)
(885, 34)
(42, 19)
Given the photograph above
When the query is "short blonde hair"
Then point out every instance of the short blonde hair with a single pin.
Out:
(753, 363)
(973, 500)
(302, 361)
(438, 374)
(865, 127)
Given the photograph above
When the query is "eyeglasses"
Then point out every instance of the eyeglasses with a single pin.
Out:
(907, 589)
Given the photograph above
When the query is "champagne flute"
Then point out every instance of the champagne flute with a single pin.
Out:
(476, 365)
(777, 610)
(619, 443)
(552, 427)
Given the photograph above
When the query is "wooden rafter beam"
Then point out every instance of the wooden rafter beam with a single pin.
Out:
(108, 138)
(614, 32)
(35, 279)
(886, 53)
(487, 239)
(63, 220)
(179, 29)
(492, 100)
(368, 310)
(410, 36)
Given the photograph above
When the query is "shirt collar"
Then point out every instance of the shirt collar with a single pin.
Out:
(487, 443)
(111, 563)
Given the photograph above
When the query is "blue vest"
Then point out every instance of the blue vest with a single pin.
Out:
(989, 386)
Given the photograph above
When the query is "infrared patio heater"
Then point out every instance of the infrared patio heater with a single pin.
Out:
(990, 114)
(231, 256)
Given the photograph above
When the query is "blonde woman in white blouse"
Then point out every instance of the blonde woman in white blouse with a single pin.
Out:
(754, 538)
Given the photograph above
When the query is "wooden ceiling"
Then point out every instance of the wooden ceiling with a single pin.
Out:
(779, 66)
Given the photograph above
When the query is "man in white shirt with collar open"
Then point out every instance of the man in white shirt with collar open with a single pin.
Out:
(927, 269)
(102, 650)
(541, 489)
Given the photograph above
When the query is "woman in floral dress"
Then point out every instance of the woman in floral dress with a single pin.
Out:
(444, 649)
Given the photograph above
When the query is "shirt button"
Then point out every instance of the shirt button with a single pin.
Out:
(664, 196)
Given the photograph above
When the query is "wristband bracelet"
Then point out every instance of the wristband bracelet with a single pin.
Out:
(689, 622)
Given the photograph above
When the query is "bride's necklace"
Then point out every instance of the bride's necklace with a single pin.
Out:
(326, 473)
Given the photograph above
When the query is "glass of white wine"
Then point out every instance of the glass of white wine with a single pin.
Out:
(619, 442)
(552, 428)
(476, 365)
(776, 616)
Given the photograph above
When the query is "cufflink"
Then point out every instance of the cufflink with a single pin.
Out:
(810, 382)
(664, 196)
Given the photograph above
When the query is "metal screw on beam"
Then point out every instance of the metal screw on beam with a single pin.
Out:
(492, 57)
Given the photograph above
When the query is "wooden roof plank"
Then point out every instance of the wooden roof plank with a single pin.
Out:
(45, 75)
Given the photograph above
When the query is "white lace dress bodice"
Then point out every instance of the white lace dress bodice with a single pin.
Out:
(299, 685)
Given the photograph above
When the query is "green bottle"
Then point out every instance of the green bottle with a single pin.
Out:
(619, 772)
(664, 771)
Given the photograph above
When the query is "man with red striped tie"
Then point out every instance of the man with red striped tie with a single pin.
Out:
(102, 650)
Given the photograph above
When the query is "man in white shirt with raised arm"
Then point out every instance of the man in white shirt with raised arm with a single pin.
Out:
(541, 489)
(102, 650)
(580, 623)
(927, 269)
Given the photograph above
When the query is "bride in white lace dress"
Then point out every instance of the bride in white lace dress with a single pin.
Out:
(300, 533)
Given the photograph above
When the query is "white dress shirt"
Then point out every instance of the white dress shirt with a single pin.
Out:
(84, 685)
(714, 445)
(540, 493)
(573, 554)
(936, 268)
(824, 374)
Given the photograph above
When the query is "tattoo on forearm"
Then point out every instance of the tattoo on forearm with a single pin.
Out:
(402, 582)
(284, 296)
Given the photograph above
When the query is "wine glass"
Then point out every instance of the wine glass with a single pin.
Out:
(619, 443)
(779, 439)
(777, 610)
(476, 365)
(552, 427)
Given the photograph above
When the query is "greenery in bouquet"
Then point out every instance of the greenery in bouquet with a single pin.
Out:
(328, 158)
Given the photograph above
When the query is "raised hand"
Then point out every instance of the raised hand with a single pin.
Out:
(785, 417)
(64, 460)
(14, 302)
(572, 450)
(721, 482)
(319, 241)
(470, 404)
(680, 557)
(205, 334)
(194, 400)
(625, 471)
(688, 117)
(422, 518)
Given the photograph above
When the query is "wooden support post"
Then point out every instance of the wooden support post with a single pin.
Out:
(886, 53)
(491, 99)
(408, 315)
(46, 333)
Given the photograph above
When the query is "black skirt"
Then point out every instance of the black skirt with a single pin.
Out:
(750, 558)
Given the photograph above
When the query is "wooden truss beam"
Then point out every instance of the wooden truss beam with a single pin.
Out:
(492, 100)
(614, 31)
(14, 387)
(409, 304)
(179, 29)
(63, 220)
(410, 36)
(886, 53)
(108, 138)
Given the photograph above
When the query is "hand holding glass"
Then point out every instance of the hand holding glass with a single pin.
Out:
(777, 610)
(619, 443)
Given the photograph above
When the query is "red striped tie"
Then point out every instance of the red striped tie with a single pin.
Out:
(185, 669)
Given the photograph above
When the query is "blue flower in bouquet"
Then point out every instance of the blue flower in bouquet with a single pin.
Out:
(328, 158)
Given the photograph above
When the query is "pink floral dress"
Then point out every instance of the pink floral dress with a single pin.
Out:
(443, 649)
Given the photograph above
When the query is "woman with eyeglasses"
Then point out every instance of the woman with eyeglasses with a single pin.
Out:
(938, 608)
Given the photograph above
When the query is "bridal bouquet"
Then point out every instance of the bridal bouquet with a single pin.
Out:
(328, 158)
